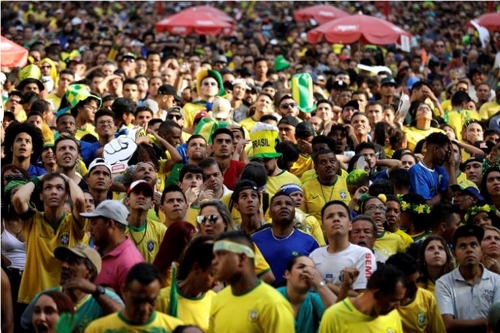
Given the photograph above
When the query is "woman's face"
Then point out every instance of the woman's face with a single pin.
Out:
(211, 221)
(296, 277)
(482, 219)
(491, 243)
(298, 198)
(493, 183)
(407, 161)
(435, 254)
(45, 315)
(449, 132)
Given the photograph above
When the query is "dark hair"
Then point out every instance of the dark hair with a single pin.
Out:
(381, 186)
(292, 262)
(219, 131)
(364, 217)
(324, 101)
(130, 81)
(437, 139)
(154, 121)
(365, 145)
(41, 106)
(66, 136)
(381, 132)
(420, 221)
(208, 162)
(385, 279)
(183, 328)
(176, 238)
(191, 168)
(199, 251)
(448, 266)
(289, 154)
(268, 117)
(280, 194)
(142, 109)
(34, 113)
(171, 189)
(325, 140)
(63, 302)
(405, 262)
(255, 171)
(442, 213)
(483, 188)
(195, 136)
(13, 130)
(49, 176)
(400, 178)
(331, 203)
(102, 113)
(459, 98)
(144, 273)
(321, 152)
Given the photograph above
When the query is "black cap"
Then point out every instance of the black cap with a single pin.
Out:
(467, 231)
(337, 85)
(167, 89)
(304, 130)
(352, 104)
(388, 81)
(469, 160)
(244, 184)
(289, 120)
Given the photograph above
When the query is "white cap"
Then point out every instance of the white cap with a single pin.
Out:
(221, 108)
(110, 209)
(97, 162)
(241, 81)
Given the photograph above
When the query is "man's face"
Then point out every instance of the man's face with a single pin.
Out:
(66, 124)
(153, 62)
(344, 97)
(67, 154)
(336, 221)
(105, 126)
(108, 69)
(140, 300)
(286, 132)
(393, 213)
(23, 146)
(142, 118)
(324, 112)
(36, 120)
(474, 172)
(483, 92)
(174, 206)
(468, 251)
(362, 234)
(87, 111)
(31, 87)
(192, 180)
(376, 210)
(73, 266)
(214, 178)
(362, 101)
(99, 178)
(154, 84)
(387, 303)
(177, 117)
(64, 81)
(261, 68)
(478, 78)
(282, 210)
(327, 166)
(223, 146)
(370, 157)
(131, 91)
(174, 136)
(347, 113)
(360, 125)
(54, 193)
(264, 104)
(248, 202)
(239, 92)
(288, 107)
(375, 114)
(13, 102)
(139, 200)
(145, 171)
(197, 149)
(209, 87)
(387, 90)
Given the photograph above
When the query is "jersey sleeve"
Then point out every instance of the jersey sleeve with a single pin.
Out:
(261, 265)
(444, 182)
(366, 266)
(444, 297)
(163, 301)
(436, 322)
(329, 323)
(418, 183)
(316, 231)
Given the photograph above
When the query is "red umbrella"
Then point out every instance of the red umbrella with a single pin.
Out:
(217, 13)
(490, 21)
(367, 29)
(13, 55)
(194, 21)
(320, 13)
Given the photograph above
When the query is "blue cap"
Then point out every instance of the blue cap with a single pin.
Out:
(411, 81)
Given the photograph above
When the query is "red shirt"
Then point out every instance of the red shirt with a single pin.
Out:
(232, 174)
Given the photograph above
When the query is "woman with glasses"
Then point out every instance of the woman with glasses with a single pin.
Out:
(387, 243)
(421, 127)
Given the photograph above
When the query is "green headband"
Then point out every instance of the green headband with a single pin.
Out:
(13, 184)
(233, 247)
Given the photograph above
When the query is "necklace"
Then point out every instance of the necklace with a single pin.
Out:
(134, 229)
(13, 230)
(323, 193)
(284, 238)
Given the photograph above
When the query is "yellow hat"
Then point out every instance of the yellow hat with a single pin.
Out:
(80, 92)
(264, 140)
(48, 142)
(30, 74)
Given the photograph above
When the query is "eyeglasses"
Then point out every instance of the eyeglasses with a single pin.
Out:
(210, 83)
(174, 116)
(45, 66)
(105, 123)
(439, 45)
(206, 219)
(288, 105)
(373, 208)
(128, 60)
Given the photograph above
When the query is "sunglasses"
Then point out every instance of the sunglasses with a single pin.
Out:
(206, 219)
(128, 60)
(45, 66)
(174, 116)
(288, 105)
(213, 84)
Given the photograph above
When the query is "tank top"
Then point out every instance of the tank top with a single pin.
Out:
(13, 249)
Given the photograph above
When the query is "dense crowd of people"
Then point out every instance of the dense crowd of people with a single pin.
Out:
(249, 182)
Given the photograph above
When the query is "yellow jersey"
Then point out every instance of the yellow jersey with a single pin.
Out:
(191, 310)
(42, 269)
(311, 174)
(317, 195)
(414, 135)
(55, 100)
(274, 183)
(147, 238)
(303, 164)
(310, 225)
(248, 123)
(191, 110)
(261, 310)
(488, 110)
(429, 286)
(343, 317)
(407, 240)
(116, 322)
(388, 244)
(446, 105)
(456, 120)
(422, 314)
(87, 129)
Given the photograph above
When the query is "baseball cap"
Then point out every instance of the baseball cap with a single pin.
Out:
(242, 82)
(141, 184)
(128, 55)
(201, 114)
(411, 81)
(469, 160)
(152, 104)
(304, 130)
(344, 57)
(97, 162)
(82, 251)
(167, 89)
(220, 58)
(467, 186)
(388, 81)
(110, 209)
(339, 85)
(352, 104)
(467, 231)
(289, 120)
(221, 108)
(494, 316)
(244, 184)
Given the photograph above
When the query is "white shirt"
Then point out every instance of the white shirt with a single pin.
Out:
(464, 301)
(331, 265)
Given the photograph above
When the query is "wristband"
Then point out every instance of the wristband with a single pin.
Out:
(35, 180)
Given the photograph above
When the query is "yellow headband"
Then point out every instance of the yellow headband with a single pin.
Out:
(224, 245)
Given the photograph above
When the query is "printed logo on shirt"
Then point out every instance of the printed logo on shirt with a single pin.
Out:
(64, 239)
(329, 277)
(253, 315)
(343, 195)
(314, 197)
(488, 296)
(151, 245)
(421, 319)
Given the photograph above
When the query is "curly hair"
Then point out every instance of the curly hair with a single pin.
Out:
(13, 131)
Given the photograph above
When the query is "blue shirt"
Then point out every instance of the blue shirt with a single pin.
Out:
(279, 251)
(310, 312)
(35, 171)
(88, 151)
(427, 182)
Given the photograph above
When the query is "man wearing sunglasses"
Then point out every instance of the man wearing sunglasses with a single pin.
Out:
(287, 106)
(166, 98)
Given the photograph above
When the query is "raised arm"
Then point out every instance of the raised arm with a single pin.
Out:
(77, 198)
(21, 199)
